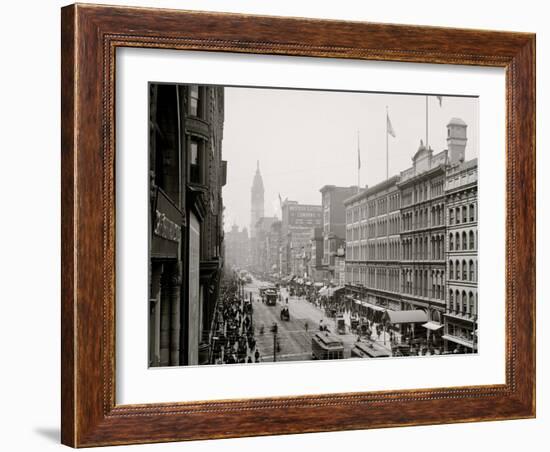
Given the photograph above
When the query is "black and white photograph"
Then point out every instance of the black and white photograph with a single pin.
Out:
(294, 225)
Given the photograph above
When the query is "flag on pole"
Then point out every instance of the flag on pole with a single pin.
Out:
(389, 127)
(440, 99)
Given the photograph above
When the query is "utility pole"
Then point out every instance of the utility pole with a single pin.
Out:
(275, 328)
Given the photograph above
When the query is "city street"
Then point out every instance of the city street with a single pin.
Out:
(294, 340)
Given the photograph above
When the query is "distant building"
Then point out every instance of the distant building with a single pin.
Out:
(237, 251)
(256, 212)
(273, 245)
(256, 200)
(314, 252)
(297, 222)
(334, 225)
(261, 252)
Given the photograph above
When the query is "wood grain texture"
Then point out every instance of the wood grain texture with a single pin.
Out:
(90, 36)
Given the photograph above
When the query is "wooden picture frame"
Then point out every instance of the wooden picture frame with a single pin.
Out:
(90, 35)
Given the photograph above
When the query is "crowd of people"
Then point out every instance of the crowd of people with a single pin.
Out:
(234, 339)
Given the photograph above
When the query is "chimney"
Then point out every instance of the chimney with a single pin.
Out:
(456, 140)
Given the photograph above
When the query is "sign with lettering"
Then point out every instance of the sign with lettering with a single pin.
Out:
(166, 228)
(305, 216)
(167, 221)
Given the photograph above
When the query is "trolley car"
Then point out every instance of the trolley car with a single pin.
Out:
(325, 345)
(369, 350)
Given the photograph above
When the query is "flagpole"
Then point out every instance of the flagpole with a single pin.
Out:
(426, 122)
(387, 153)
(358, 164)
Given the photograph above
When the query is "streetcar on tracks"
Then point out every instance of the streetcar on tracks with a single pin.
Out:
(325, 345)
(270, 297)
(369, 349)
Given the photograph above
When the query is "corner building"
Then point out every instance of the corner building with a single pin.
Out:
(462, 258)
(411, 243)
(186, 176)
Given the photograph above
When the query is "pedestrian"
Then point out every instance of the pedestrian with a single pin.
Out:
(257, 356)
(306, 326)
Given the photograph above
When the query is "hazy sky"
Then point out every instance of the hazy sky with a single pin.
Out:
(307, 139)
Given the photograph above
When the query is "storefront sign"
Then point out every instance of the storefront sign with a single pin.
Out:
(166, 228)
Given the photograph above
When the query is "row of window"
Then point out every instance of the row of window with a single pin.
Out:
(462, 302)
(423, 218)
(422, 248)
(468, 241)
(424, 192)
(375, 251)
(464, 214)
(463, 270)
(373, 209)
(422, 283)
(376, 278)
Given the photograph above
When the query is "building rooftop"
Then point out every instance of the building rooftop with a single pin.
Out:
(374, 189)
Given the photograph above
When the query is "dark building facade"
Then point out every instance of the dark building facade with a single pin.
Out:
(186, 176)
(334, 225)
(262, 251)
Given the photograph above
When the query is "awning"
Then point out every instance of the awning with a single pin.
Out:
(434, 326)
(372, 306)
(318, 284)
(458, 340)
(413, 316)
(323, 292)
